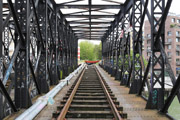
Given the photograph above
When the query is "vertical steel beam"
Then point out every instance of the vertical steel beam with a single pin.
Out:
(113, 51)
(6, 45)
(46, 41)
(63, 47)
(109, 53)
(122, 50)
(116, 51)
(119, 51)
(56, 47)
(42, 66)
(136, 66)
(146, 71)
(90, 3)
(22, 96)
(52, 37)
(125, 66)
(66, 49)
(156, 94)
(1, 55)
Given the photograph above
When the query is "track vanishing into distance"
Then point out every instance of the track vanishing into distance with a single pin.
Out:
(89, 98)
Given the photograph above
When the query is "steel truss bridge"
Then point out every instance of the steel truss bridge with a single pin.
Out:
(44, 41)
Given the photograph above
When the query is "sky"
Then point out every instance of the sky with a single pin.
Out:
(175, 6)
(96, 42)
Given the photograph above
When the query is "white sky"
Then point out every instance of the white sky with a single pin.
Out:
(96, 42)
(175, 6)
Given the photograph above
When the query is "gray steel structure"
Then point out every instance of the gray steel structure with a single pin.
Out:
(45, 51)
(45, 48)
(116, 58)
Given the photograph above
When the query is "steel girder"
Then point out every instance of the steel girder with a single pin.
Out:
(128, 26)
(38, 48)
(92, 6)
(134, 66)
(45, 48)
(22, 73)
(156, 96)
(1, 53)
(118, 51)
(125, 65)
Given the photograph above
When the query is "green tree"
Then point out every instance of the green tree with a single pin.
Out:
(98, 51)
(131, 56)
(89, 51)
(86, 50)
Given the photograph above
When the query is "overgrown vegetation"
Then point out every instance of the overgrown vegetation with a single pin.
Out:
(90, 51)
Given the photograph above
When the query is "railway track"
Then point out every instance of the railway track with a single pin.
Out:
(89, 98)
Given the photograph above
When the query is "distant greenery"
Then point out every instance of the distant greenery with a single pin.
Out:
(98, 51)
(137, 55)
(90, 51)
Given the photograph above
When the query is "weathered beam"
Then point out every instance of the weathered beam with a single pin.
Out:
(70, 2)
(91, 36)
(90, 39)
(93, 23)
(5, 93)
(1, 56)
(87, 16)
(87, 33)
(101, 30)
(89, 27)
(59, 6)
(90, 4)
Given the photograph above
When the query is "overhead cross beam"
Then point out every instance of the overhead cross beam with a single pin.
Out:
(87, 16)
(59, 6)
(89, 27)
(92, 23)
(70, 2)
(90, 16)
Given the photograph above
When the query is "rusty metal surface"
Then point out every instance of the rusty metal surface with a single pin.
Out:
(133, 105)
(68, 103)
(92, 99)
(112, 105)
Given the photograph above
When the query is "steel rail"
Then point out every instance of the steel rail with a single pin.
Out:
(68, 103)
(111, 103)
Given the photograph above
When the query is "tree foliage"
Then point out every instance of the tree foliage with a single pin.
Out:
(131, 56)
(98, 51)
(89, 51)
